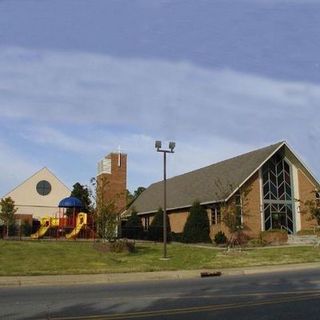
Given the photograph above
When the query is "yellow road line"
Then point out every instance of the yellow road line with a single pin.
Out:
(168, 312)
(248, 294)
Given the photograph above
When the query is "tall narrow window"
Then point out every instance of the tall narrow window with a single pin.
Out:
(146, 223)
(278, 200)
(215, 215)
(238, 201)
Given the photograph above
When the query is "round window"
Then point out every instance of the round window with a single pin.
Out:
(43, 187)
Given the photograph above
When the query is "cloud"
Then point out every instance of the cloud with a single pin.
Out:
(15, 168)
(79, 101)
(149, 96)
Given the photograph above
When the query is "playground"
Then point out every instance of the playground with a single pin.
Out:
(69, 223)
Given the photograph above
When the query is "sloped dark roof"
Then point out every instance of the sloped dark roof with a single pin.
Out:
(209, 184)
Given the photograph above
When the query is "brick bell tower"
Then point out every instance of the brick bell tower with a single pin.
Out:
(113, 170)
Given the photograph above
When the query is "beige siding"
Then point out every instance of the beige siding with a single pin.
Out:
(28, 201)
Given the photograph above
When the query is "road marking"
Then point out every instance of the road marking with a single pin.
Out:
(168, 312)
(247, 294)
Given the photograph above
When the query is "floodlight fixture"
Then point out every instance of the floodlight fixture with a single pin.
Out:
(158, 144)
(172, 145)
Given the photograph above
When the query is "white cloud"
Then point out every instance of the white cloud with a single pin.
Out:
(76, 101)
(146, 95)
(15, 168)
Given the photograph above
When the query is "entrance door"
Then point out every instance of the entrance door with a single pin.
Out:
(278, 216)
(279, 221)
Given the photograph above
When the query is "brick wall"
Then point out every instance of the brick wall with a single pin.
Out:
(251, 217)
(251, 207)
(251, 210)
(215, 228)
(24, 217)
(178, 220)
(115, 184)
(306, 188)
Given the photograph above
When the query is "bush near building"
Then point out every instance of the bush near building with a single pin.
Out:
(220, 238)
(274, 236)
(197, 226)
(309, 232)
(26, 229)
(155, 232)
(133, 228)
(177, 236)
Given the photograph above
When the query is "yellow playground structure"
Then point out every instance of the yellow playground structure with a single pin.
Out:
(81, 222)
(67, 225)
(46, 224)
(62, 223)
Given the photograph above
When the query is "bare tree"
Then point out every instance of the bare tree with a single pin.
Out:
(312, 207)
(233, 211)
(106, 216)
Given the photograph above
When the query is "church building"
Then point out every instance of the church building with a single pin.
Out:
(269, 186)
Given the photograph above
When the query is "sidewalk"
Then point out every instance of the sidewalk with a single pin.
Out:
(60, 280)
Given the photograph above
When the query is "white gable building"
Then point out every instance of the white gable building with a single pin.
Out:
(39, 195)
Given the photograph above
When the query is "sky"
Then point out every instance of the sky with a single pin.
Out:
(79, 78)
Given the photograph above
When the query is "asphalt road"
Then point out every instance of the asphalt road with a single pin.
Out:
(285, 295)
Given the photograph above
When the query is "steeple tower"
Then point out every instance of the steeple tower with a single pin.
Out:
(112, 170)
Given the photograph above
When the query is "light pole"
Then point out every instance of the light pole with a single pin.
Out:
(158, 145)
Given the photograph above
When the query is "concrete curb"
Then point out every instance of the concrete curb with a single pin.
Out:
(111, 278)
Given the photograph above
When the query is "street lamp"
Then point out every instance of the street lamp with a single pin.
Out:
(158, 146)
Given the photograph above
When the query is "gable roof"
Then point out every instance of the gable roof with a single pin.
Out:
(214, 183)
(38, 173)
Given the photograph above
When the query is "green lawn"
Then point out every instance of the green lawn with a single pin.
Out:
(46, 257)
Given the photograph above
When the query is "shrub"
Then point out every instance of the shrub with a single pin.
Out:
(177, 237)
(115, 246)
(155, 232)
(26, 229)
(122, 246)
(13, 230)
(308, 232)
(220, 238)
(240, 238)
(197, 226)
(256, 243)
(133, 228)
(274, 236)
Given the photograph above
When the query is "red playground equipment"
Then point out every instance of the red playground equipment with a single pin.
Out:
(69, 223)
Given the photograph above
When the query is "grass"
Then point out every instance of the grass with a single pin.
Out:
(49, 258)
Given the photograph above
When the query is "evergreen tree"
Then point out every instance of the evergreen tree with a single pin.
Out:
(133, 228)
(137, 192)
(155, 232)
(197, 227)
(131, 197)
(83, 194)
